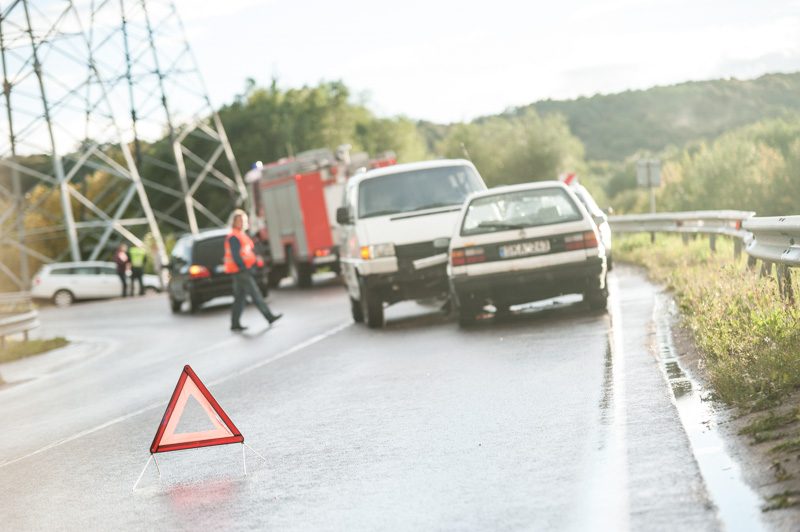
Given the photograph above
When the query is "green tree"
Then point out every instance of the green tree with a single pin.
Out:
(516, 148)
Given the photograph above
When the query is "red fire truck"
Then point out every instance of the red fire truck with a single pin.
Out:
(294, 202)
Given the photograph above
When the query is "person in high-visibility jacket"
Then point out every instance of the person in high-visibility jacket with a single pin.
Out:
(239, 258)
(138, 257)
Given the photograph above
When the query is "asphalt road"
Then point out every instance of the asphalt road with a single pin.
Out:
(557, 418)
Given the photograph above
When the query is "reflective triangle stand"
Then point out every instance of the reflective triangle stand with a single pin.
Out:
(153, 458)
(244, 461)
(142, 473)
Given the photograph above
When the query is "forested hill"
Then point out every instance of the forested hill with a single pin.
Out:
(614, 126)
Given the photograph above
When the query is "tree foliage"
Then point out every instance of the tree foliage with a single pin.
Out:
(616, 126)
(516, 149)
(753, 168)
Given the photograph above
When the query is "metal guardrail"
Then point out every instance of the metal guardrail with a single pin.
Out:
(17, 315)
(712, 223)
(773, 240)
(693, 222)
(776, 240)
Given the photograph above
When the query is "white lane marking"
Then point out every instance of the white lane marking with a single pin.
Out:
(294, 349)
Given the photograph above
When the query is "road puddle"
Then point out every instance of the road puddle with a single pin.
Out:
(604, 502)
(739, 507)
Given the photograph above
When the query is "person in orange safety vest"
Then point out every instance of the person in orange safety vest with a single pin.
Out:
(238, 260)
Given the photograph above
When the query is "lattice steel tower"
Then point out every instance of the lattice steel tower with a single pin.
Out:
(109, 133)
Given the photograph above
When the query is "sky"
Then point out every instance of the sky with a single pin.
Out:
(447, 60)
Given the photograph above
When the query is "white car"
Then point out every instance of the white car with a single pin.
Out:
(65, 282)
(396, 223)
(524, 243)
(599, 217)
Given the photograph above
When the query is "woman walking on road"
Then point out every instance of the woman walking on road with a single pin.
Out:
(121, 259)
(239, 259)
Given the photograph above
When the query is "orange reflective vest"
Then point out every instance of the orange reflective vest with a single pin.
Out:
(246, 252)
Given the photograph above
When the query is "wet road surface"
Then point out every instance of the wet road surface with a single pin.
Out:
(557, 418)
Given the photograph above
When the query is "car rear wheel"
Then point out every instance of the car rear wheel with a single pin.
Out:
(466, 316)
(465, 308)
(63, 298)
(355, 310)
(175, 306)
(194, 305)
(371, 307)
(597, 299)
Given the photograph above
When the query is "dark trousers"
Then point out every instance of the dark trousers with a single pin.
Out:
(124, 279)
(244, 285)
(136, 275)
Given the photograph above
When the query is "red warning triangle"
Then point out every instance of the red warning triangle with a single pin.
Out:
(224, 431)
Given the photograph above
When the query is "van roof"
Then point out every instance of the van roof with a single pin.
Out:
(410, 167)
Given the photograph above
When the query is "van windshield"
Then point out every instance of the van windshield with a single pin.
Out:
(417, 190)
(520, 209)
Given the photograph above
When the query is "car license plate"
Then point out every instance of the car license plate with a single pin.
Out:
(522, 249)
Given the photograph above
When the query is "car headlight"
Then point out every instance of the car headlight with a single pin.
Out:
(377, 251)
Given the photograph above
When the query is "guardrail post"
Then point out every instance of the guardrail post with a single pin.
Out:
(737, 248)
(685, 238)
(653, 237)
(751, 263)
(785, 288)
(766, 268)
(712, 243)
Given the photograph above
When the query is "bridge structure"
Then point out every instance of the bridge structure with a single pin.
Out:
(107, 135)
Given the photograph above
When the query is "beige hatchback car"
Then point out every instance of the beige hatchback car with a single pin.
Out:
(524, 243)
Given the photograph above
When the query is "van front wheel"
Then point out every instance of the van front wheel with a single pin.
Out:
(371, 307)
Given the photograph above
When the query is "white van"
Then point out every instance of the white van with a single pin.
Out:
(396, 224)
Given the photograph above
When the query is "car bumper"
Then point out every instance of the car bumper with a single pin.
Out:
(401, 286)
(201, 290)
(517, 287)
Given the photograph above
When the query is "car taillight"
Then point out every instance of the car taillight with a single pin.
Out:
(322, 252)
(580, 241)
(197, 271)
(469, 255)
(259, 262)
(589, 239)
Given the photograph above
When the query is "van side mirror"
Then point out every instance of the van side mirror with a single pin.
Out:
(343, 216)
(599, 220)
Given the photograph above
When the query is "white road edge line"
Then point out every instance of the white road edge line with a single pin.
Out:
(283, 354)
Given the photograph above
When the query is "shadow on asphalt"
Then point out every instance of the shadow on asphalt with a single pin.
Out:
(553, 311)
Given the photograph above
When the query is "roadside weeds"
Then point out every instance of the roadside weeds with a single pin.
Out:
(14, 350)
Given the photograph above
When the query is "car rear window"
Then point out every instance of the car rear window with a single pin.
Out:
(519, 209)
(209, 251)
(417, 190)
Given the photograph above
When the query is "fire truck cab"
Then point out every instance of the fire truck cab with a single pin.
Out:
(294, 202)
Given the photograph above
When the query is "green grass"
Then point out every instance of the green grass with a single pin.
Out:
(762, 429)
(789, 446)
(786, 499)
(748, 338)
(15, 350)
